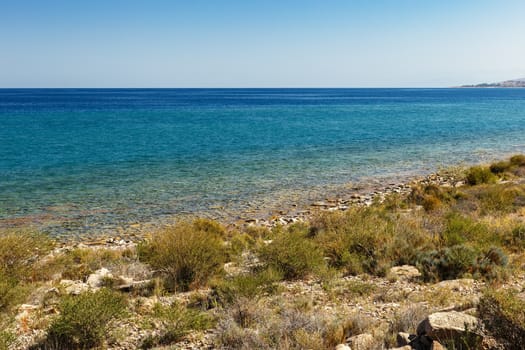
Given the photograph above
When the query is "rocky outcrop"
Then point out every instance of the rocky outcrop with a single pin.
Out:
(448, 325)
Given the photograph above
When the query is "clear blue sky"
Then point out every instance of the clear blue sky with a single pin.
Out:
(252, 43)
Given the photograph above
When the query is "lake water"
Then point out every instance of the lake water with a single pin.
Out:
(78, 161)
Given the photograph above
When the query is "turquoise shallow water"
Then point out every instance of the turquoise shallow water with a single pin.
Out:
(77, 160)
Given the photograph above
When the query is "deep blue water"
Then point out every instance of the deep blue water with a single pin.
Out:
(84, 159)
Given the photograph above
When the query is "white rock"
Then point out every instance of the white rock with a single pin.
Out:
(96, 279)
(447, 325)
(342, 347)
(74, 287)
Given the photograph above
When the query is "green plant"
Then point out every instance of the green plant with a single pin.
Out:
(186, 255)
(12, 292)
(19, 251)
(460, 229)
(477, 175)
(177, 321)
(500, 167)
(515, 240)
(245, 286)
(84, 319)
(518, 160)
(293, 254)
(6, 339)
(431, 196)
(503, 313)
(455, 261)
(503, 198)
(368, 239)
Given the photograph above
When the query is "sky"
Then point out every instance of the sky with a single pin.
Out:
(266, 43)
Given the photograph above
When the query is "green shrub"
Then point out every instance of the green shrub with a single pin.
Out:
(503, 198)
(500, 167)
(516, 239)
(368, 239)
(447, 263)
(518, 160)
(12, 292)
(6, 339)
(176, 321)
(245, 286)
(79, 263)
(460, 229)
(480, 175)
(293, 254)
(355, 241)
(503, 313)
(84, 319)
(456, 261)
(19, 251)
(431, 196)
(185, 255)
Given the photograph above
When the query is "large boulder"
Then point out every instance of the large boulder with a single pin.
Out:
(448, 327)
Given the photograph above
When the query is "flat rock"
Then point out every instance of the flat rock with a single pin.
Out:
(405, 272)
(456, 285)
(447, 325)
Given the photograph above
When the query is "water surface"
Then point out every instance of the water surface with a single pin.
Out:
(76, 161)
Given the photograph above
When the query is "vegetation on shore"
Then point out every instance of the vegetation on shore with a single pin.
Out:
(199, 275)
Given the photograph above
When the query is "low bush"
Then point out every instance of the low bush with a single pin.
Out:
(480, 175)
(249, 326)
(79, 263)
(84, 319)
(293, 254)
(500, 167)
(458, 260)
(503, 198)
(12, 292)
(176, 321)
(406, 320)
(19, 251)
(6, 339)
(430, 197)
(185, 255)
(518, 160)
(503, 313)
(248, 286)
(369, 240)
(515, 240)
(460, 229)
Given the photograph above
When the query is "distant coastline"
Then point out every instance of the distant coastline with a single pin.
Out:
(515, 83)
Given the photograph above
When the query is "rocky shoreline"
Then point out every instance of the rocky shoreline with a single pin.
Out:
(360, 196)
(426, 264)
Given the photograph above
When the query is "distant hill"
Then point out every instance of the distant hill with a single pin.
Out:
(507, 83)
